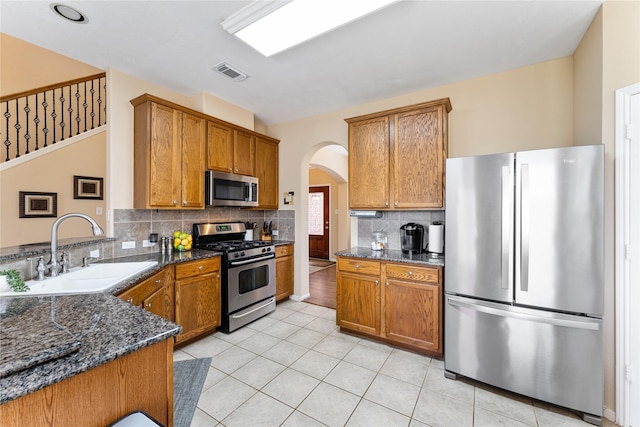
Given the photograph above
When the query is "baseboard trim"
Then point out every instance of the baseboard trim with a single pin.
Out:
(299, 298)
(609, 414)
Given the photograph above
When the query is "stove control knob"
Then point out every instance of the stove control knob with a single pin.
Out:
(268, 249)
(242, 254)
(264, 249)
(237, 255)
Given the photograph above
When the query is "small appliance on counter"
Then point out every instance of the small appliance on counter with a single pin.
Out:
(379, 240)
(411, 238)
(435, 246)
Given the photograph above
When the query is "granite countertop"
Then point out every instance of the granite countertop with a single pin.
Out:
(391, 255)
(98, 328)
(46, 339)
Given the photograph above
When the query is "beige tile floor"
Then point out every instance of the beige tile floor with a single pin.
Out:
(294, 368)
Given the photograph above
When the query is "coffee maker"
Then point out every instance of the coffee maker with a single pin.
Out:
(411, 238)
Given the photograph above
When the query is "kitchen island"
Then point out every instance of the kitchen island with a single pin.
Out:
(83, 360)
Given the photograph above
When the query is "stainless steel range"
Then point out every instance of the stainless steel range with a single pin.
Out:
(248, 272)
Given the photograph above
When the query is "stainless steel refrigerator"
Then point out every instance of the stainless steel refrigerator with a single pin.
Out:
(524, 274)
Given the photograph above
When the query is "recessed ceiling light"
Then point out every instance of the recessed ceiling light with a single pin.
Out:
(67, 12)
(273, 26)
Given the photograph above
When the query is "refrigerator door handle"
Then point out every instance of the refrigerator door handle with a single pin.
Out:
(509, 311)
(507, 227)
(524, 227)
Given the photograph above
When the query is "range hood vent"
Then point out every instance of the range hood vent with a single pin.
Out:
(230, 71)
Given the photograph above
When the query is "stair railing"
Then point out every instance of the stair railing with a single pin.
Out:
(41, 117)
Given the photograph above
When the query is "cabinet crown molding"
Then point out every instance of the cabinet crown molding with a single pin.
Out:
(443, 101)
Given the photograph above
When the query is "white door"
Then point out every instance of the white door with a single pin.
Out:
(628, 256)
(634, 262)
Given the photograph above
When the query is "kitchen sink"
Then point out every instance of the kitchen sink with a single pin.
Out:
(83, 280)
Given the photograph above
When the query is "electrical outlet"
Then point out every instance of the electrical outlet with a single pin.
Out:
(95, 254)
(129, 245)
(148, 244)
(274, 232)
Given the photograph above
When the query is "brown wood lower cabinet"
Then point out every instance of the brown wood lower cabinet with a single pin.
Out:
(197, 288)
(408, 312)
(284, 272)
(154, 294)
(140, 381)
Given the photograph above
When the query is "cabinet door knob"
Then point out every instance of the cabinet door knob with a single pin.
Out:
(387, 283)
(411, 273)
(377, 282)
(200, 267)
(357, 265)
(396, 203)
(386, 203)
(175, 202)
(148, 305)
(130, 300)
(158, 281)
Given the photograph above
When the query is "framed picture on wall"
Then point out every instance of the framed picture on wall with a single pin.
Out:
(87, 187)
(38, 205)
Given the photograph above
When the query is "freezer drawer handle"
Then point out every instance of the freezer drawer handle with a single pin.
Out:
(497, 310)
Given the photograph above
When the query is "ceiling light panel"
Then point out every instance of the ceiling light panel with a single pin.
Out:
(297, 21)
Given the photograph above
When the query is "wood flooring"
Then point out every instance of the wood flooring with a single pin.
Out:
(322, 287)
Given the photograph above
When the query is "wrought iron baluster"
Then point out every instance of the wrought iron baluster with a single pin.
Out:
(84, 105)
(36, 120)
(77, 108)
(27, 136)
(7, 143)
(105, 100)
(99, 103)
(45, 129)
(62, 123)
(54, 116)
(70, 110)
(93, 114)
(17, 128)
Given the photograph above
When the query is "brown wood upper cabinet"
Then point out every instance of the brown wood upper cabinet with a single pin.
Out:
(267, 172)
(230, 150)
(397, 157)
(169, 149)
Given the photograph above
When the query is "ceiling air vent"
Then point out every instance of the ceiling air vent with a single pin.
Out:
(230, 71)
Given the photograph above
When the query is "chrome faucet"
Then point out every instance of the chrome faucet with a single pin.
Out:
(53, 262)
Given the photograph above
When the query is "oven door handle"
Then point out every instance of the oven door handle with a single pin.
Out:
(252, 260)
(238, 316)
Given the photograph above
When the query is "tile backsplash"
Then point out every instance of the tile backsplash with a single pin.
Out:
(391, 222)
(137, 224)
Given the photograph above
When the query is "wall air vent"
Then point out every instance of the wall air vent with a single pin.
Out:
(230, 71)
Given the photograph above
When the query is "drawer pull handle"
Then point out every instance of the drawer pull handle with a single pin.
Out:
(357, 265)
(377, 282)
(411, 273)
(148, 305)
(200, 267)
(158, 281)
(130, 300)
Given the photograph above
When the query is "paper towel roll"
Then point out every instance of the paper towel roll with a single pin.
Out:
(436, 238)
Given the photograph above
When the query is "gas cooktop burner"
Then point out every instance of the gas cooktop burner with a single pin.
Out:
(235, 245)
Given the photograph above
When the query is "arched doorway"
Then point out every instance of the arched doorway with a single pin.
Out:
(328, 222)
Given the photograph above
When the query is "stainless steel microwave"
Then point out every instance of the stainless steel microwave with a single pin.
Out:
(227, 189)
